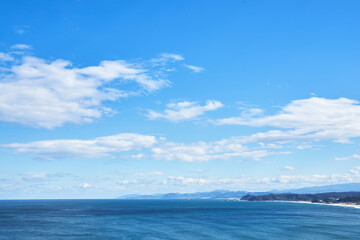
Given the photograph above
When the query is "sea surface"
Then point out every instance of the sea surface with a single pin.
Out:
(174, 219)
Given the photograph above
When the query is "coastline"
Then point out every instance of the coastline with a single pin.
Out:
(352, 205)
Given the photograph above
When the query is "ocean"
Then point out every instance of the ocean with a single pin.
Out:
(174, 219)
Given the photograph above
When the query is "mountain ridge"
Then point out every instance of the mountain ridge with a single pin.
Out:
(227, 194)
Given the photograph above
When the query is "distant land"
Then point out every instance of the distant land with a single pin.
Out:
(218, 194)
(330, 197)
(224, 194)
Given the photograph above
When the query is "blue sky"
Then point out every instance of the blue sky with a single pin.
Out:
(101, 99)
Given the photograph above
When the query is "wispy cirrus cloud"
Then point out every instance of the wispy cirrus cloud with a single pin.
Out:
(195, 69)
(42, 176)
(185, 110)
(46, 94)
(35, 176)
(21, 29)
(21, 47)
(351, 157)
(288, 168)
(165, 57)
(148, 174)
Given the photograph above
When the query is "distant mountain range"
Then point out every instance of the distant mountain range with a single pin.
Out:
(224, 194)
(218, 194)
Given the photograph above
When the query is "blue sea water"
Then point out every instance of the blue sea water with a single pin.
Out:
(174, 219)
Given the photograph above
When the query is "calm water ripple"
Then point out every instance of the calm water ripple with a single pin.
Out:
(174, 219)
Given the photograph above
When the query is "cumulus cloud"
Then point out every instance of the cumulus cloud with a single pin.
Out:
(47, 94)
(205, 151)
(195, 68)
(74, 148)
(282, 181)
(141, 145)
(308, 119)
(180, 111)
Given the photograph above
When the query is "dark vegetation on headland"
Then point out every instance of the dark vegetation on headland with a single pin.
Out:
(331, 197)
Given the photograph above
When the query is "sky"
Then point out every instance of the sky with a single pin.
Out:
(100, 99)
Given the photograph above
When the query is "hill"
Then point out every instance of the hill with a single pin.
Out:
(225, 194)
(331, 197)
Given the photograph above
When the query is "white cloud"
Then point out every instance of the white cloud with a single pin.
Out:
(225, 149)
(177, 183)
(149, 174)
(205, 151)
(35, 176)
(304, 146)
(41, 176)
(185, 110)
(308, 119)
(48, 94)
(172, 56)
(354, 156)
(167, 57)
(184, 181)
(267, 183)
(86, 185)
(21, 46)
(288, 168)
(195, 68)
(188, 183)
(264, 183)
(136, 156)
(5, 57)
(73, 148)
(127, 182)
(353, 175)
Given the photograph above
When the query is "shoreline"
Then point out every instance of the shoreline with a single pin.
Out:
(352, 205)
